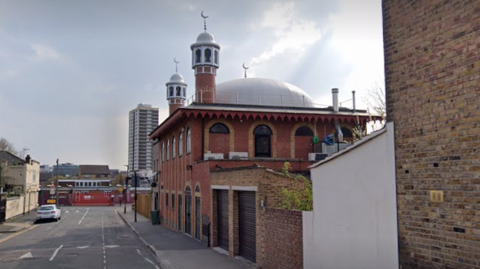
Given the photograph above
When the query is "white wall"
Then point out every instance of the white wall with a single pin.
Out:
(354, 220)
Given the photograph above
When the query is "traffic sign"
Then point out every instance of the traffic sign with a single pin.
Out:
(51, 201)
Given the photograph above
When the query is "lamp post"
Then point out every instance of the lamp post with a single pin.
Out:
(56, 191)
(136, 183)
(125, 192)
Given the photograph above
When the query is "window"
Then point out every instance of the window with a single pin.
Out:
(262, 141)
(173, 147)
(184, 92)
(178, 91)
(162, 153)
(166, 199)
(304, 131)
(198, 55)
(208, 55)
(170, 91)
(347, 133)
(167, 150)
(215, 55)
(180, 144)
(219, 128)
(189, 141)
(173, 201)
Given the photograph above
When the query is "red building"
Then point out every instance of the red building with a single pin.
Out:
(249, 122)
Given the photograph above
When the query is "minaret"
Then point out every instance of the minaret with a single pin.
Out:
(205, 59)
(176, 90)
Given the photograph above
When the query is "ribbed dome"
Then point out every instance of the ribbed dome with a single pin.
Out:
(262, 91)
(205, 39)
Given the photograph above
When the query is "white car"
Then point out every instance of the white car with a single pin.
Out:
(49, 212)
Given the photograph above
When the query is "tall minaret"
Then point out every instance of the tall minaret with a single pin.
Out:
(176, 90)
(205, 59)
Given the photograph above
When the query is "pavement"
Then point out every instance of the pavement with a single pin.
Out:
(18, 223)
(176, 250)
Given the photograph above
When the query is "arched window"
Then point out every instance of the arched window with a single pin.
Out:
(170, 91)
(180, 144)
(219, 128)
(184, 92)
(262, 141)
(198, 55)
(168, 147)
(178, 91)
(215, 56)
(208, 55)
(304, 131)
(173, 147)
(189, 141)
(163, 152)
(347, 133)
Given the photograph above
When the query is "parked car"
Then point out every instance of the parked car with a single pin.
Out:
(49, 212)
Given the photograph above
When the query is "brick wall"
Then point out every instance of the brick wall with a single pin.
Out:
(282, 237)
(432, 68)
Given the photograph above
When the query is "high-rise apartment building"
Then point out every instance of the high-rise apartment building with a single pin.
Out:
(142, 121)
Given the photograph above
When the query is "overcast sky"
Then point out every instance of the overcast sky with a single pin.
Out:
(70, 71)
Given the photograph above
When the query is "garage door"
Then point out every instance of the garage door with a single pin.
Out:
(247, 225)
(222, 219)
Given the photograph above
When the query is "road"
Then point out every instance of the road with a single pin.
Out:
(85, 237)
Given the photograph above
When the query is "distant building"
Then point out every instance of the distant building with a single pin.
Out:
(93, 171)
(45, 168)
(142, 121)
(66, 170)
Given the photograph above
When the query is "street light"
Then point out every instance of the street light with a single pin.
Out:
(125, 192)
(136, 183)
(56, 192)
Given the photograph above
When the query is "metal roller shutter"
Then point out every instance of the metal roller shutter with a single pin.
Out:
(247, 225)
(222, 219)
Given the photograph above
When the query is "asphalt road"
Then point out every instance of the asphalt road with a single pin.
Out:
(85, 237)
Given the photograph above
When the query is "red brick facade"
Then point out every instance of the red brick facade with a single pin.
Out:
(432, 68)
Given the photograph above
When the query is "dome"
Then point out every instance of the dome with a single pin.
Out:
(176, 79)
(205, 39)
(262, 91)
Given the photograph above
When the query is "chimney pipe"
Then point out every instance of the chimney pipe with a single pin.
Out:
(335, 99)
(353, 100)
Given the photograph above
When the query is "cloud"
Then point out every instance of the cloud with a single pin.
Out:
(43, 52)
(290, 33)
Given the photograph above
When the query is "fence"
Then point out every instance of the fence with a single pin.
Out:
(144, 204)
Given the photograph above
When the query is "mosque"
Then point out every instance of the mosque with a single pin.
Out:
(216, 154)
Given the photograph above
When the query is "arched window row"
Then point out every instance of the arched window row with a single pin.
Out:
(208, 55)
(176, 91)
(167, 151)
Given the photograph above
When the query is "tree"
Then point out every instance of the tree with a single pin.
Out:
(6, 145)
(375, 100)
(300, 194)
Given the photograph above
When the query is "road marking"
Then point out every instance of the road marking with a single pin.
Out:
(148, 260)
(112, 246)
(26, 256)
(55, 253)
(83, 216)
(103, 243)
(82, 247)
(17, 233)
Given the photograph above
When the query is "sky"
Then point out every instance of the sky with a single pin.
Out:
(70, 71)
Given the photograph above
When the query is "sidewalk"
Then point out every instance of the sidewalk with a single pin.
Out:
(18, 223)
(177, 250)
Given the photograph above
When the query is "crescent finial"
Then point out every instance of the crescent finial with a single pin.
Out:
(245, 69)
(175, 60)
(203, 16)
(176, 64)
(204, 21)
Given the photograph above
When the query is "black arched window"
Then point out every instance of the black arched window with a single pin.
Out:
(170, 91)
(208, 55)
(198, 55)
(184, 92)
(215, 55)
(262, 141)
(347, 133)
(304, 131)
(173, 147)
(178, 91)
(219, 128)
